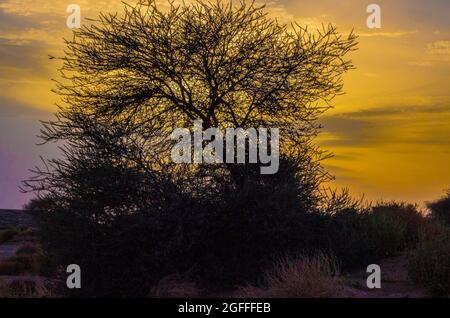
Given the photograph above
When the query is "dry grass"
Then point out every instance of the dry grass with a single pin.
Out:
(24, 288)
(306, 277)
(175, 286)
(7, 235)
(28, 259)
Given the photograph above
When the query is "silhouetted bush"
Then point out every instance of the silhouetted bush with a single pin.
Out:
(250, 227)
(429, 264)
(358, 238)
(7, 235)
(218, 239)
(408, 215)
(23, 288)
(440, 209)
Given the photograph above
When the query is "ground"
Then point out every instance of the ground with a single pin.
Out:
(394, 277)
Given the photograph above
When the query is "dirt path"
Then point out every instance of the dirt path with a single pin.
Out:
(394, 282)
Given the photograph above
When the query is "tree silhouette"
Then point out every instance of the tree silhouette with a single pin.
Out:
(127, 81)
(148, 71)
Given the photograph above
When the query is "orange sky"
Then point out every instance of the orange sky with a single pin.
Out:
(390, 133)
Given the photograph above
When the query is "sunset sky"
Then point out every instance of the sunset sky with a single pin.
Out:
(390, 132)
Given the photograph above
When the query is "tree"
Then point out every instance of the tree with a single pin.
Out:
(148, 71)
(440, 209)
(129, 79)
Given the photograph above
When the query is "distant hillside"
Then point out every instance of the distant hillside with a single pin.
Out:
(16, 218)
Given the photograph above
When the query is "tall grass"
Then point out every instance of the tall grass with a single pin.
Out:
(25, 289)
(304, 277)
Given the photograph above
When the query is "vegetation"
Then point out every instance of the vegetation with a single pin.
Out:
(363, 235)
(304, 277)
(28, 260)
(440, 209)
(115, 204)
(7, 235)
(25, 289)
(429, 264)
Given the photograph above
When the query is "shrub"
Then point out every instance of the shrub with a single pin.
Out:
(251, 227)
(222, 235)
(440, 209)
(429, 264)
(25, 289)
(7, 235)
(406, 214)
(27, 250)
(27, 260)
(359, 237)
(304, 277)
(11, 267)
(17, 265)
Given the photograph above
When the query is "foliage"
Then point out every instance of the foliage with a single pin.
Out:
(440, 209)
(429, 264)
(303, 277)
(115, 203)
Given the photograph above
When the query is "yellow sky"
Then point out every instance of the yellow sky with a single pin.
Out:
(390, 133)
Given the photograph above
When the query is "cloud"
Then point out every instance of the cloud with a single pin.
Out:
(23, 54)
(415, 125)
(10, 109)
(398, 110)
(395, 34)
(439, 48)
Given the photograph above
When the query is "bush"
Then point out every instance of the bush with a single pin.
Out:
(221, 238)
(28, 249)
(360, 237)
(406, 214)
(253, 226)
(304, 277)
(25, 289)
(440, 209)
(429, 264)
(28, 259)
(20, 264)
(7, 235)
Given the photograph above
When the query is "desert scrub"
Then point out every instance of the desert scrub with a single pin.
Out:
(25, 289)
(429, 264)
(303, 277)
(440, 209)
(358, 238)
(408, 215)
(7, 235)
(28, 259)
